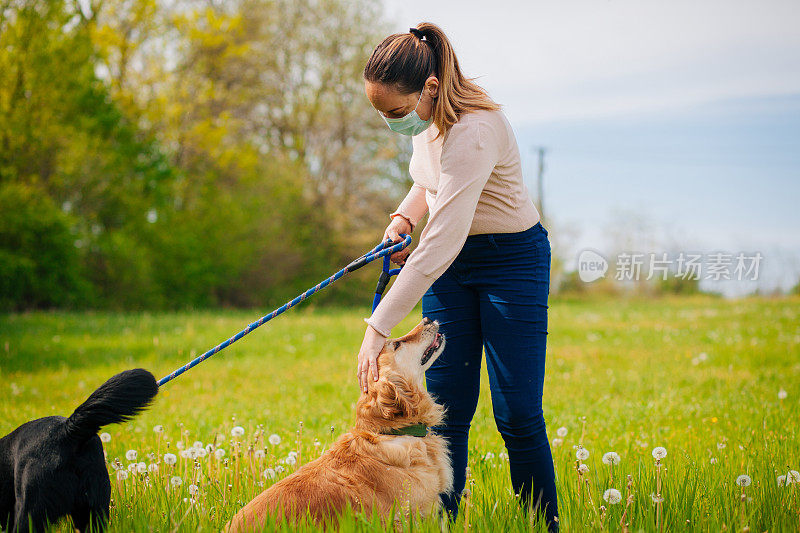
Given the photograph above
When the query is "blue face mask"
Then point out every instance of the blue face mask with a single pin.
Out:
(410, 124)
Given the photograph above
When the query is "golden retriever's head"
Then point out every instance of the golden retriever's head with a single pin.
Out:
(399, 397)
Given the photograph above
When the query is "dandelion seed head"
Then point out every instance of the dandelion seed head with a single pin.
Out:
(743, 480)
(153, 467)
(158, 428)
(612, 496)
(562, 432)
(583, 468)
(582, 454)
(279, 469)
(219, 453)
(170, 458)
(259, 454)
(176, 481)
(122, 475)
(503, 456)
(611, 458)
(657, 498)
(793, 476)
(193, 489)
(141, 467)
(721, 445)
(274, 439)
(269, 473)
(180, 445)
(237, 431)
(782, 394)
(557, 442)
(131, 455)
(197, 444)
(659, 453)
(488, 457)
(105, 437)
(291, 460)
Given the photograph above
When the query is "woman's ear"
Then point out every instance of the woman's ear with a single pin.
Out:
(432, 86)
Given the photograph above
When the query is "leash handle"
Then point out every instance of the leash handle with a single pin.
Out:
(384, 249)
(383, 281)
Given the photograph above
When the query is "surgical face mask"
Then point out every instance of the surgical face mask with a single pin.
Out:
(410, 124)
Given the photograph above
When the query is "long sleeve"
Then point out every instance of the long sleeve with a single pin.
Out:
(414, 206)
(469, 154)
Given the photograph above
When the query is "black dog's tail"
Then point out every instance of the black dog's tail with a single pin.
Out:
(117, 400)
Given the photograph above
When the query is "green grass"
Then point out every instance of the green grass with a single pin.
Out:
(622, 375)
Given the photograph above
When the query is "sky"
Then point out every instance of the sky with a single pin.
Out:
(680, 119)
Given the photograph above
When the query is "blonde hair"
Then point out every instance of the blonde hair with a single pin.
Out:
(406, 60)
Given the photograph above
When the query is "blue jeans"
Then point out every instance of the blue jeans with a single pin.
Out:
(494, 297)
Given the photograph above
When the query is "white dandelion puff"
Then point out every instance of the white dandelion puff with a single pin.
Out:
(557, 442)
(279, 469)
(583, 469)
(269, 473)
(210, 448)
(793, 476)
(782, 394)
(657, 498)
(158, 428)
(153, 467)
(219, 453)
(105, 437)
(611, 458)
(781, 481)
(582, 454)
(132, 467)
(659, 453)
(743, 480)
(612, 496)
(141, 467)
(170, 458)
(488, 457)
(274, 439)
(561, 432)
(317, 443)
(503, 456)
(197, 444)
(180, 445)
(193, 489)
(122, 475)
(721, 445)
(237, 431)
(131, 455)
(200, 452)
(176, 481)
(259, 454)
(291, 460)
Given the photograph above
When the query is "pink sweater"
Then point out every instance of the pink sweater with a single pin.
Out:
(471, 182)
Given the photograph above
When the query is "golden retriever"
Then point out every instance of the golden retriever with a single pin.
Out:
(372, 468)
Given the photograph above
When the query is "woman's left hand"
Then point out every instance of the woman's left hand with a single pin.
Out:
(368, 356)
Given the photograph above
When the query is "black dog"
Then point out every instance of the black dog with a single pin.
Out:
(54, 466)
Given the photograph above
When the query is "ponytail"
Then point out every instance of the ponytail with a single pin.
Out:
(406, 60)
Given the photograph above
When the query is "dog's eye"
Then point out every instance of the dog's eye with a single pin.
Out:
(396, 344)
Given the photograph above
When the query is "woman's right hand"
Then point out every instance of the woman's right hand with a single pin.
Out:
(397, 226)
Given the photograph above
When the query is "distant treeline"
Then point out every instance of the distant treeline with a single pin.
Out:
(162, 154)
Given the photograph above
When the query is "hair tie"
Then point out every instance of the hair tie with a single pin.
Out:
(417, 33)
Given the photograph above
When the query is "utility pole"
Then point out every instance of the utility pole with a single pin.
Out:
(540, 181)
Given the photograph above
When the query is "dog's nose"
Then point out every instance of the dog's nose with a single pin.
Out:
(426, 320)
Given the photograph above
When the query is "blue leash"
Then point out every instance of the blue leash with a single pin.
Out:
(384, 249)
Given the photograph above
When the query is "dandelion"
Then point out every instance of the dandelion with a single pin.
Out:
(269, 473)
(180, 445)
(105, 437)
(583, 468)
(237, 431)
(219, 453)
(781, 481)
(200, 452)
(158, 428)
(274, 439)
(153, 467)
(122, 475)
(132, 467)
(488, 457)
(291, 460)
(659, 453)
(611, 458)
(702, 356)
(170, 458)
(612, 496)
(193, 489)
(657, 498)
(782, 394)
(176, 481)
(259, 454)
(317, 443)
(743, 480)
(582, 454)
(210, 448)
(131, 455)
(141, 467)
(503, 456)
(197, 445)
(721, 445)
(793, 476)
(116, 465)
(279, 469)
(561, 432)
(557, 442)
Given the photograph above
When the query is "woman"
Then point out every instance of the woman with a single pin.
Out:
(482, 266)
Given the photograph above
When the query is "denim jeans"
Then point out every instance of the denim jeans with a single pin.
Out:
(494, 298)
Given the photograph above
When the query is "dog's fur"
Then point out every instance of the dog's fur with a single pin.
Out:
(54, 466)
(365, 469)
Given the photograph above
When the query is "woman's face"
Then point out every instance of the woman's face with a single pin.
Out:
(393, 104)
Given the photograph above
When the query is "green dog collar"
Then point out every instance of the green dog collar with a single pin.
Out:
(414, 430)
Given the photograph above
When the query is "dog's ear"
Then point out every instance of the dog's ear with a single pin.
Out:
(396, 398)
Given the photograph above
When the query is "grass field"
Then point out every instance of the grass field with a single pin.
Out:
(714, 382)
